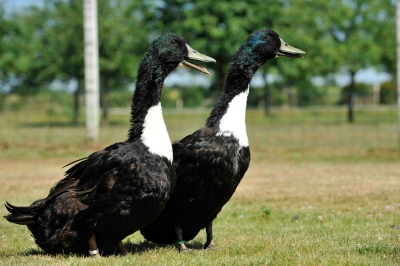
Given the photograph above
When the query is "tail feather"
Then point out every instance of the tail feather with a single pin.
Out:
(52, 233)
(20, 215)
(19, 209)
(20, 219)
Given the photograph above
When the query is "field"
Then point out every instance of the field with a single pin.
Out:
(318, 192)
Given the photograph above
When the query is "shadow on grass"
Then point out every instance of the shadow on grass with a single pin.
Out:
(67, 124)
(378, 249)
(133, 248)
(142, 246)
(32, 251)
(118, 123)
(146, 246)
(48, 124)
(39, 252)
(195, 245)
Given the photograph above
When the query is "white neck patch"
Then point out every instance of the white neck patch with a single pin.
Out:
(155, 135)
(233, 123)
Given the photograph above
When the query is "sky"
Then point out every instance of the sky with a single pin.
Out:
(15, 5)
(182, 77)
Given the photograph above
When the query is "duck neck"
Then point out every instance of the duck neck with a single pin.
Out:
(228, 118)
(147, 123)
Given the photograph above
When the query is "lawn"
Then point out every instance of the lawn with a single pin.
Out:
(318, 191)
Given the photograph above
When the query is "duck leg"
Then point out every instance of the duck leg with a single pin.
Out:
(210, 242)
(122, 248)
(93, 250)
(181, 242)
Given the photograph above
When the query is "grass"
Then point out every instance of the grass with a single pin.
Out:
(294, 135)
(318, 191)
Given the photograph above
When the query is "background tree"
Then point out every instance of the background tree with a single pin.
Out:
(348, 35)
(216, 27)
(6, 30)
(383, 25)
(44, 44)
(305, 26)
(26, 61)
(355, 27)
(123, 39)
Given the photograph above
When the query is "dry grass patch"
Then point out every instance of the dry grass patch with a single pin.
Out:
(318, 214)
(318, 191)
(319, 183)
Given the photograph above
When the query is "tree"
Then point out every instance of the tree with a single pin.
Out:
(340, 35)
(24, 59)
(216, 27)
(123, 39)
(6, 29)
(384, 28)
(66, 44)
(50, 45)
(356, 26)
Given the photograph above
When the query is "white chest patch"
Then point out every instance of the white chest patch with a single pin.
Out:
(233, 123)
(155, 135)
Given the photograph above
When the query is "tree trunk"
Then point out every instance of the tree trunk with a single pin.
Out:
(77, 106)
(350, 98)
(221, 76)
(104, 98)
(219, 81)
(267, 97)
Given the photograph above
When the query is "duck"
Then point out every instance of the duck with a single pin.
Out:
(115, 191)
(211, 162)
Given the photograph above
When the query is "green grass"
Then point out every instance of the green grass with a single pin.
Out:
(248, 239)
(318, 191)
(295, 135)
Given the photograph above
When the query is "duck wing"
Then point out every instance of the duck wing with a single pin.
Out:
(129, 187)
(199, 160)
(85, 174)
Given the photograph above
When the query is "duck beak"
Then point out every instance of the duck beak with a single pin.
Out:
(289, 51)
(194, 55)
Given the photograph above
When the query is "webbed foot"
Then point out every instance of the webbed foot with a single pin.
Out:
(122, 249)
(183, 248)
(210, 245)
(93, 250)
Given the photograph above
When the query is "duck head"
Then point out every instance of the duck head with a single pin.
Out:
(174, 51)
(264, 45)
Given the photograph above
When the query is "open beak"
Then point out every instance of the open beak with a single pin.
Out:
(289, 51)
(194, 55)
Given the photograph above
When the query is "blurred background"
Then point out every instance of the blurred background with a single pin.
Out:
(323, 187)
(337, 104)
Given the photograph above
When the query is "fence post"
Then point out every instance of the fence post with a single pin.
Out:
(92, 98)
(398, 67)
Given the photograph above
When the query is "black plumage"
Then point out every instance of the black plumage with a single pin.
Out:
(211, 162)
(118, 190)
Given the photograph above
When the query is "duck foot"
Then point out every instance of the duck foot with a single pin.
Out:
(210, 246)
(181, 242)
(122, 249)
(93, 250)
(94, 253)
(183, 248)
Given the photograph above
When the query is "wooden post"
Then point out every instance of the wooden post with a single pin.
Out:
(92, 98)
(376, 98)
(398, 67)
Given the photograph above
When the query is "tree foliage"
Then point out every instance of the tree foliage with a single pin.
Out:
(46, 44)
(216, 28)
(43, 44)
